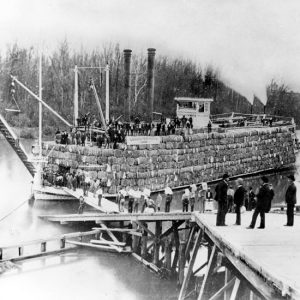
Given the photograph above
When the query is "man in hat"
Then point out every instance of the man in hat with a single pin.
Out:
(291, 200)
(221, 198)
(239, 199)
(263, 200)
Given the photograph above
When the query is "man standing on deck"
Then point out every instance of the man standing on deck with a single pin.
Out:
(263, 200)
(221, 198)
(239, 198)
(291, 200)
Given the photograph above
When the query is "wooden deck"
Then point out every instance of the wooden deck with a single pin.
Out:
(268, 258)
(106, 205)
(98, 218)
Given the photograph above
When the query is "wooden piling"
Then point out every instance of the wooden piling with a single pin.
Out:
(43, 246)
(175, 259)
(144, 246)
(62, 243)
(20, 250)
(134, 238)
(124, 237)
(189, 273)
(157, 242)
(168, 254)
(181, 263)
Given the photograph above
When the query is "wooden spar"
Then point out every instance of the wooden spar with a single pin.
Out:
(95, 217)
(107, 93)
(235, 289)
(144, 246)
(105, 242)
(103, 247)
(209, 267)
(191, 235)
(174, 226)
(168, 254)
(146, 263)
(171, 229)
(112, 236)
(124, 237)
(185, 283)
(224, 289)
(226, 279)
(98, 105)
(157, 242)
(181, 262)
(175, 259)
(200, 268)
(40, 100)
(145, 228)
(40, 107)
(134, 238)
(40, 254)
(75, 95)
(124, 230)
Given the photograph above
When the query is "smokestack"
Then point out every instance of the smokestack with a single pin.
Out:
(150, 82)
(127, 84)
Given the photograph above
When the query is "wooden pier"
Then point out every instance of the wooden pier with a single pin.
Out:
(251, 263)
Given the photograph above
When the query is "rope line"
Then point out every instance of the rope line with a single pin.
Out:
(13, 210)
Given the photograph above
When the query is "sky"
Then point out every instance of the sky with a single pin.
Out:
(250, 42)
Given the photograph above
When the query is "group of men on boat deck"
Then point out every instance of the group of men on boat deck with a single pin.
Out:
(117, 131)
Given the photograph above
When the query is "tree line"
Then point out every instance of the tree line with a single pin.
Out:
(173, 78)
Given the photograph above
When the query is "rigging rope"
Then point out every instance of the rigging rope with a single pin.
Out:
(13, 210)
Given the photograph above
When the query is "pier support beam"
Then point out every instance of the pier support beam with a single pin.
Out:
(144, 252)
(158, 229)
(208, 271)
(134, 238)
(181, 263)
(168, 254)
(175, 259)
(186, 280)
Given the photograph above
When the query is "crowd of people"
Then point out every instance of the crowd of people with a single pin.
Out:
(116, 131)
(201, 199)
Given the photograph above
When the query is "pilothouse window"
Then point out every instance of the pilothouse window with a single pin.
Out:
(190, 105)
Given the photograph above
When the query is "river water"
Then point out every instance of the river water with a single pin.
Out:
(81, 273)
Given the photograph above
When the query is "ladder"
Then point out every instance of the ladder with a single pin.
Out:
(13, 140)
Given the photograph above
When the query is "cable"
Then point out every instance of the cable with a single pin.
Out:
(13, 210)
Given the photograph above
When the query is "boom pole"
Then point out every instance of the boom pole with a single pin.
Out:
(14, 78)
(99, 105)
(107, 94)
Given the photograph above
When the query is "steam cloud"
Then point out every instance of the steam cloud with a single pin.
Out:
(250, 42)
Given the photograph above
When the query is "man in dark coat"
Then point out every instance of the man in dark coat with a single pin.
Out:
(221, 198)
(263, 200)
(291, 200)
(238, 200)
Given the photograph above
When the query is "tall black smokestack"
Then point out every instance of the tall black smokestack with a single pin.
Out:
(150, 82)
(127, 83)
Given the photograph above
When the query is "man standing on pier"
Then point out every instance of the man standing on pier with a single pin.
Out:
(263, 199)
(239, 199)
(291, 200)
(221, 198)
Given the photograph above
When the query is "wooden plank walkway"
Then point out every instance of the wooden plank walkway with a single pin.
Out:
(269, 258)
(98, 218)
(106, 205)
